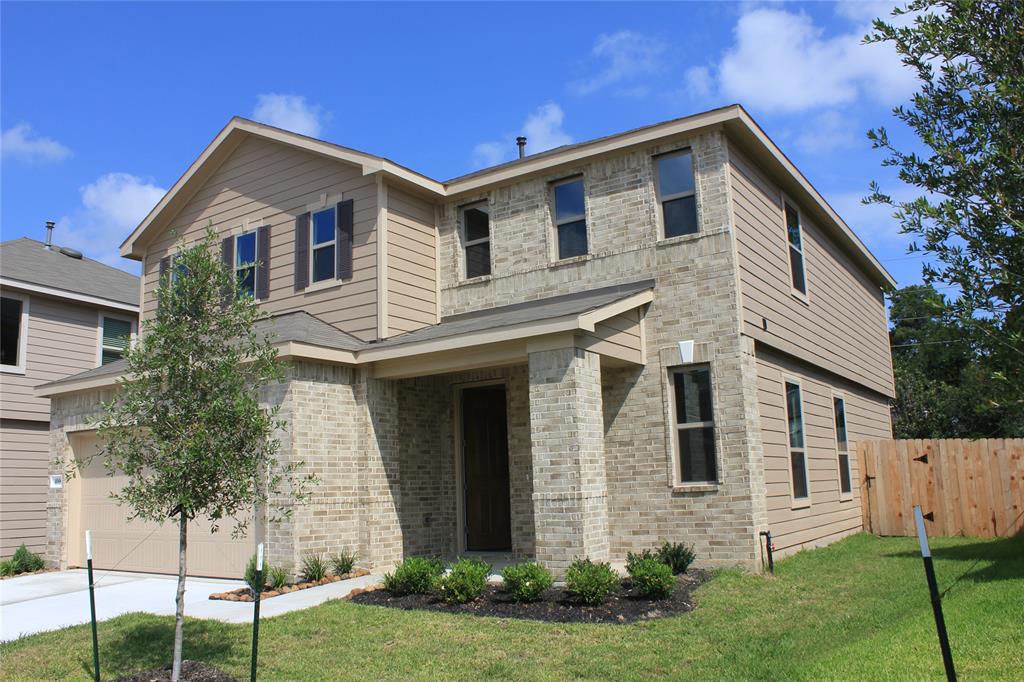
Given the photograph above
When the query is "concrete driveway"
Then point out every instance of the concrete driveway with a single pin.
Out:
(50, 601)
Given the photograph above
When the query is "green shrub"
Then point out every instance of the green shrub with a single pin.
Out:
(6, 568)
(314, 568)
(343, 563)
(590, 582)
(652, 578)
(277, 577)
(526, 582)
(677, 555)
(415, 575)
(25, 561)
(250, 574)
(464, 582)
(632, 559)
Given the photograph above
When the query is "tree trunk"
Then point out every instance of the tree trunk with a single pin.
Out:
(179, 615)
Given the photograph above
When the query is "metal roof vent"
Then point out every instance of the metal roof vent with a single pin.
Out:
(521, 143)
(49, 235)
(71, 253)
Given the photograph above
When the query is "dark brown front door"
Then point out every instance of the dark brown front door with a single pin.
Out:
(485, 469)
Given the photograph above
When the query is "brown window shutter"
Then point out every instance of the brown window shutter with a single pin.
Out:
(346, 236)
(263, 264)
(165, 263)
(227, 259)
(301, 251)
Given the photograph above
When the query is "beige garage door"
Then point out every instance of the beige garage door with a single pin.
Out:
(140, 545)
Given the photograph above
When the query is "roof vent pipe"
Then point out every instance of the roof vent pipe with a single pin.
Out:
(521, 143)
(49, 235)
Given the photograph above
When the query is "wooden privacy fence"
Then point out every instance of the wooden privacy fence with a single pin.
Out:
(964, 487)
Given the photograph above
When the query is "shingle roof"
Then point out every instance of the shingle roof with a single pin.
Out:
(517, 313)
(29, 261)
(305, 328)
(302, 327)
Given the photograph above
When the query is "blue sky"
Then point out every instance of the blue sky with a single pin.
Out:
(103, 106)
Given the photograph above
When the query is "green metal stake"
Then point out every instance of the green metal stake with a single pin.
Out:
(256, 612)
(92, 608)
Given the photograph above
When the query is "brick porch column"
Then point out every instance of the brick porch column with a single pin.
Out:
(570, 493)
(381, 527)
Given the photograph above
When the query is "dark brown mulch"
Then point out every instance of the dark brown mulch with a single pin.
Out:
(191, 671)
(556, 605)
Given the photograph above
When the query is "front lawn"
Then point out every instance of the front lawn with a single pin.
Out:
(858, 609)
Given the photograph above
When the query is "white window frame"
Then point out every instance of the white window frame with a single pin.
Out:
(662, 234)
(796, 502)
(674, 427)
(256, 250)
(556, 252)
(840, 449)
(22, 335)
(100, 314)
(313, 246)
(802, 249)
(467, 242)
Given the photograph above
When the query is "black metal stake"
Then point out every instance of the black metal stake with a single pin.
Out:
(92, 608)
(256, 612)
(933, 589)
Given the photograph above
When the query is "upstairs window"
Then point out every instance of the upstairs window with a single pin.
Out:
(842, 446)
(797, 450)
(676, 193)
(324, 243)
(115, 339)
(245, 263)
(476, 239)
(694, 424)
(570, 218)
(796, 250)
(12, 333)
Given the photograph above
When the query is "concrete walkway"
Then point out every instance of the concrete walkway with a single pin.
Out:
(50, 601)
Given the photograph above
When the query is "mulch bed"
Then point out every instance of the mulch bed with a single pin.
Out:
(555, 606)
(245, 594)
(191, 671)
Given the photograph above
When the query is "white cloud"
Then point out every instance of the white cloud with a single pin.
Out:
(290, 112)
(864, 11)
(782, 61)
(827, 132)
(873, 222)
(21, 142)
(698, 81)
(628, 55)
(543, 131)
(112, 207)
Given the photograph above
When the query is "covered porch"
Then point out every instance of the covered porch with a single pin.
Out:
(500, 438)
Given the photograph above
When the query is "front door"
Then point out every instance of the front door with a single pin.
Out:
(485, 469)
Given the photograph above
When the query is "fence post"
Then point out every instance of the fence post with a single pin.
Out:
(933, 590)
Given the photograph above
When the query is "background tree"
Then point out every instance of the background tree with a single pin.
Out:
(186, 426)
(968, 115)
(943, 385)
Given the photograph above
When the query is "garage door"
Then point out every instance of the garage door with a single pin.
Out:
(140, 545)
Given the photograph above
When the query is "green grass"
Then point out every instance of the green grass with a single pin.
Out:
(856, 610)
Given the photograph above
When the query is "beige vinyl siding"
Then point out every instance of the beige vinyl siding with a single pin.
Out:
(411, 263)
(268, 183)
(62, 340)
(618, 337)
(842, 325)
(867, 415)
(24, 464)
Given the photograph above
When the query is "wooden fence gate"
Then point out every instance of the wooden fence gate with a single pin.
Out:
(964, 487)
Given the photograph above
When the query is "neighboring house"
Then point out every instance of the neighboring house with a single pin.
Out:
(665, 334)
(60, 314)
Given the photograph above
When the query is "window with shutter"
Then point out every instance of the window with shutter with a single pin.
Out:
(117, 336)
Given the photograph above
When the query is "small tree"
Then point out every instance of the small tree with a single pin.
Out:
(186, 426)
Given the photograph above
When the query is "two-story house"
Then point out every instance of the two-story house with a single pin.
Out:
(60, 314)
(664, 334)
